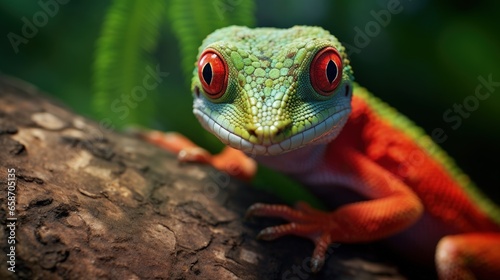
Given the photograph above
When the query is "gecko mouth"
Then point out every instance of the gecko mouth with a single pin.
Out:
(315, 133)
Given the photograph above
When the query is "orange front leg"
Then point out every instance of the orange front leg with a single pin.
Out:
(231, 161)
(393, 208)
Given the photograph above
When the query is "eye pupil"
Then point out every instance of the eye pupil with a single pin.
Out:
(331, 71)
(207, 73)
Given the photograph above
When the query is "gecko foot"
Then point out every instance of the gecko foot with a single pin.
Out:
(231, 161)
(305, 221)
(186, 150)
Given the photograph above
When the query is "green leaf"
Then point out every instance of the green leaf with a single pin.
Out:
(125, 79)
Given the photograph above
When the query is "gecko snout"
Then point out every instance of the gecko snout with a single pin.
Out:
(269, 133)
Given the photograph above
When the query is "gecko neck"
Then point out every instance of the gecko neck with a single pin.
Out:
(295, 162)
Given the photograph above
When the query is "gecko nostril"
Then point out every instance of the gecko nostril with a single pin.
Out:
(197, 91)
(252, 132)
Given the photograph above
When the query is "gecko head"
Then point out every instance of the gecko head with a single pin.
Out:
(268, 91)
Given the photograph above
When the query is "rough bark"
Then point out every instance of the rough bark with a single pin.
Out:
(95, 204)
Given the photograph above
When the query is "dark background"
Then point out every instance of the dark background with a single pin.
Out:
(425, 60)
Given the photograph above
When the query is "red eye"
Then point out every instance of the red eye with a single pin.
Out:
(213, 74)
(326, 71)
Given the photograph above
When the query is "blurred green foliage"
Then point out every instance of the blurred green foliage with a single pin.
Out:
(125, 73)
(425, 60)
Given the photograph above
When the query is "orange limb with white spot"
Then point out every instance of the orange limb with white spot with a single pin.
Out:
(231, 161)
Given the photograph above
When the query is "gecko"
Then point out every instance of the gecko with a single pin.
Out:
(287, 99)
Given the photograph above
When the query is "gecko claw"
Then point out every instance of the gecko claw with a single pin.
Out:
(271, 233)
(265, 234)
(194, 154)
(250, 211)
(316, 264)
